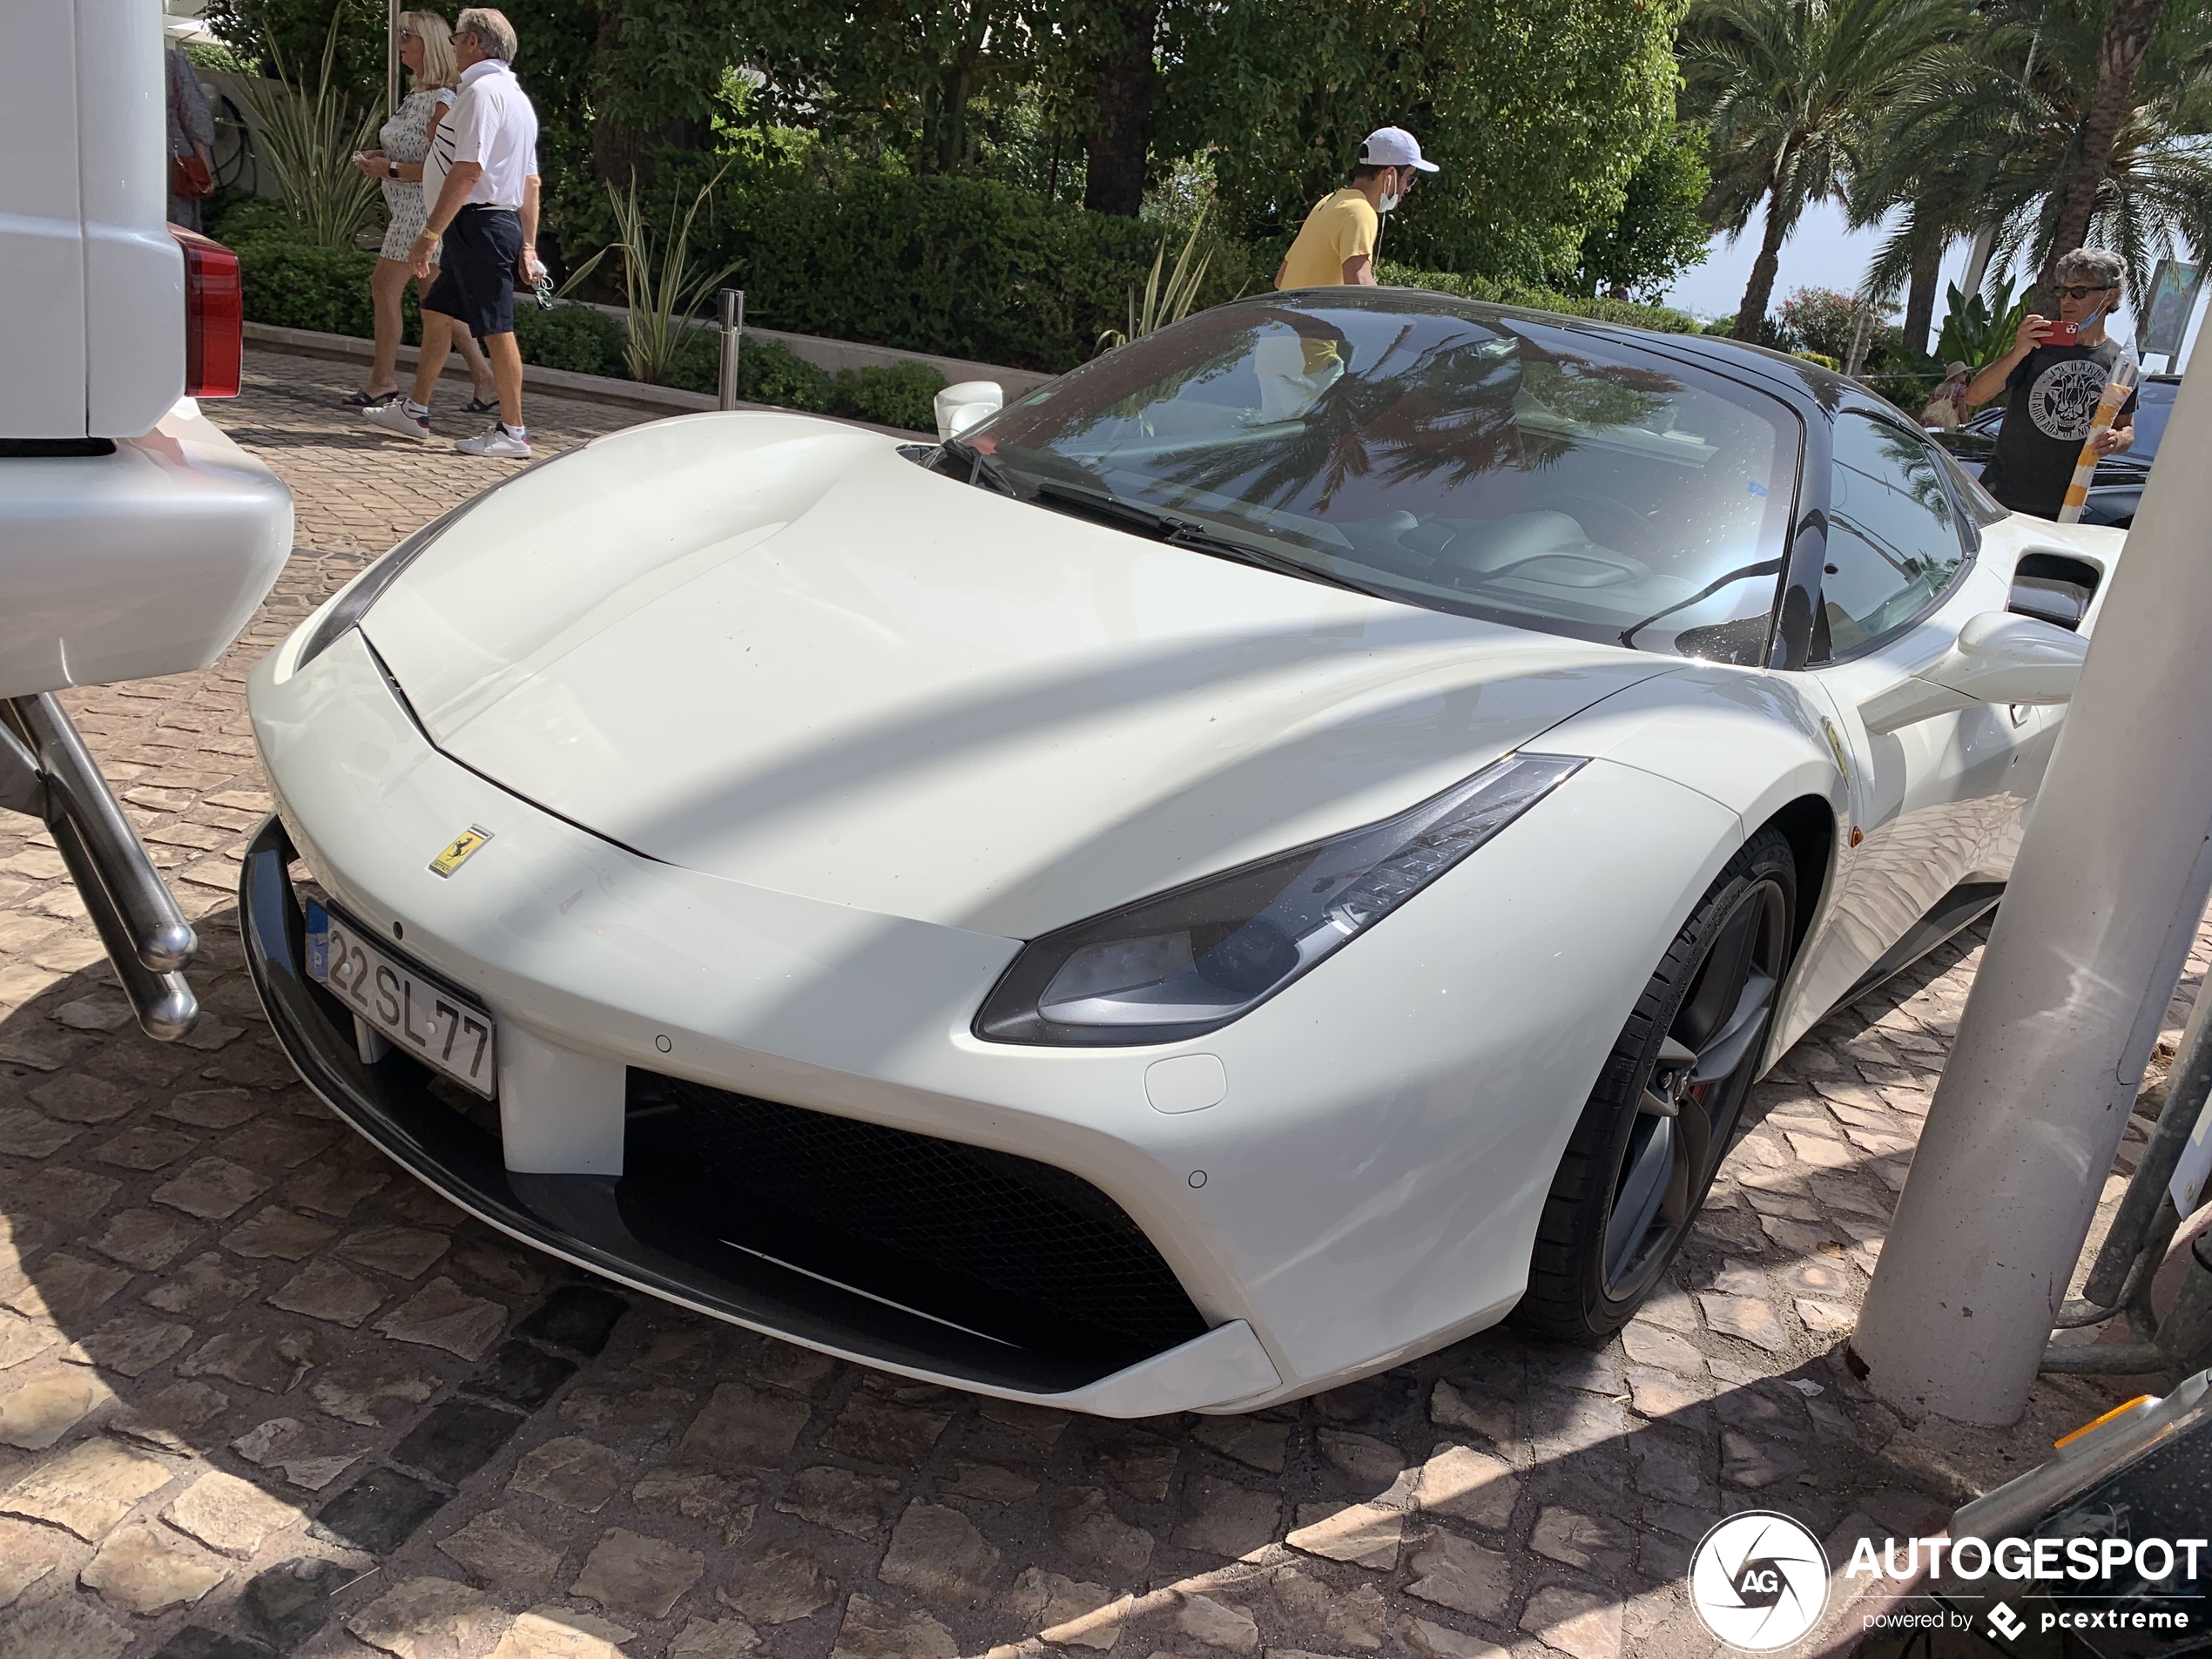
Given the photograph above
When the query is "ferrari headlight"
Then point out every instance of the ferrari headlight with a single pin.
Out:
(1188, 961)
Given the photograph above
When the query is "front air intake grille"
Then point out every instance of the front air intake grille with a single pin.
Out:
(1003, 1246)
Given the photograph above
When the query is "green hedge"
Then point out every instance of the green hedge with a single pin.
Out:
(958, 267)
(1505, 292)
(292, 284)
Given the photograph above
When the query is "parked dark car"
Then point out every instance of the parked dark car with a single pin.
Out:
(2118, 487)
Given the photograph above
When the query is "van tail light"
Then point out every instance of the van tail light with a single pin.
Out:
(214, 316)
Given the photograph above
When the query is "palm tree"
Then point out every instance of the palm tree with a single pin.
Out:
(2129, 25)
(1992, 132)
(1792, 89)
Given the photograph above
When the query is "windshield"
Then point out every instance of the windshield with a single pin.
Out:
(1436, 453)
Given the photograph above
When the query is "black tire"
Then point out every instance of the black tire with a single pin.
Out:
(1654, 1125)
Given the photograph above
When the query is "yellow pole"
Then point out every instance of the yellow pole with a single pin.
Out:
(2085, 468)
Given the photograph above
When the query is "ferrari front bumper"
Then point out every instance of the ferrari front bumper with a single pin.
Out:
(594, 1221)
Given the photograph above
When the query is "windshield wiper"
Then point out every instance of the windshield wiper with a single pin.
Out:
(1182, 532)
(1742, 573)
(982, 468)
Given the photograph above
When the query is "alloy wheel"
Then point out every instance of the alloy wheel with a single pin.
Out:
(1693, 1090)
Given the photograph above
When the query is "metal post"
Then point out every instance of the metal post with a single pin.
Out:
(391, 56)
(2102, 907)
(732, 330)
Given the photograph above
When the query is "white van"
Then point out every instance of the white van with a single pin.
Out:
(136, 539)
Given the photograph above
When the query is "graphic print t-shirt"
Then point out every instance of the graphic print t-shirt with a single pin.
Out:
(2049, 402)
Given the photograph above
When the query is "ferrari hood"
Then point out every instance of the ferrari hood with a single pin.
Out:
(774, 649)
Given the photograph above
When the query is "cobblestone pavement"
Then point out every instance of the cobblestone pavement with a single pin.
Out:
(259, 1391)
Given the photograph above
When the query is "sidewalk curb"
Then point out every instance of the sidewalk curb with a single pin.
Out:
(597, 389)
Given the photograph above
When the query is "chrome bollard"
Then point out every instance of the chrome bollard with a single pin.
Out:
(732, 327)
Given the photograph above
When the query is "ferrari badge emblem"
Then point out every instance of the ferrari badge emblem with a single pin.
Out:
(460, 850)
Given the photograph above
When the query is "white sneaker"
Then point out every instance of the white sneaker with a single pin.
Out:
(392, 417)
(495, 442)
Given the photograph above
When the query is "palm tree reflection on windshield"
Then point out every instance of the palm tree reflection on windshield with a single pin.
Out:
(1915, 460)
(1439, 407)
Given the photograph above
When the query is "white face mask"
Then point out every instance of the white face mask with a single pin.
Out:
(1389, 203)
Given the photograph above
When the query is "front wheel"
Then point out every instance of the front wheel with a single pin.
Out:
(1644, 1154)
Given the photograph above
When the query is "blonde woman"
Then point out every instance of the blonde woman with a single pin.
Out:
(426, 47)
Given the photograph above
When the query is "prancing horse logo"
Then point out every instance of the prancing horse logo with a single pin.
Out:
(460, 850)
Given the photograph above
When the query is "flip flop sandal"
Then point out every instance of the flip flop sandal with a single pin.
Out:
(370, 399)
(479, 406)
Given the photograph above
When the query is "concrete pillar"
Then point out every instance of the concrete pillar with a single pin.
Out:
(2103, 905)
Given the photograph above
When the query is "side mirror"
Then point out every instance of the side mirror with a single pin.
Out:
(966, 404)
(2000, 657)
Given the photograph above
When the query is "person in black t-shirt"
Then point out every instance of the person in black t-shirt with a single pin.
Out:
(2051, 381)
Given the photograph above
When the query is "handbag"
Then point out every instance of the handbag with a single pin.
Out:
(189, 180)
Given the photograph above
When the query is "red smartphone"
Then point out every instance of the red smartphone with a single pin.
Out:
(2060, 333)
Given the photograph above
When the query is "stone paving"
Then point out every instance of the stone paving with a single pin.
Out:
(261, 1392)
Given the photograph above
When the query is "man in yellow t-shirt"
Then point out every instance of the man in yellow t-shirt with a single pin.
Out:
(1336, 246)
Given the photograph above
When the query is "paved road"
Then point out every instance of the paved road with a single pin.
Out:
(261, 1391)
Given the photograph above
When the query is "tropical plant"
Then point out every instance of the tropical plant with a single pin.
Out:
(308, 138)
(2110, 107)
(1992, 129)
(663, 292)
(1793, 90)
(1167, 304)
(1979, 330)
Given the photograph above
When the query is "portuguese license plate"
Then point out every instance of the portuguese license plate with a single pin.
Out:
(402, 1004)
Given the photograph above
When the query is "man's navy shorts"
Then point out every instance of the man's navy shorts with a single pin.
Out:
(476, 285)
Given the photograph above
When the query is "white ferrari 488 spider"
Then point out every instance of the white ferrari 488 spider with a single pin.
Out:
(1265, 855)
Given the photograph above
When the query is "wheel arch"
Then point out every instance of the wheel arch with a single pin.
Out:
(1809, 822)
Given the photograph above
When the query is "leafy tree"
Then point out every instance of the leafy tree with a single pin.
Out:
(1793, 89)
(1820, 319)
(1537, 110)
(910, 71)
(1658, 233)
(655, 76)
(1125, 87)
(295, 30)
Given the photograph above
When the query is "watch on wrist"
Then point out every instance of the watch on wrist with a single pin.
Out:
(392, 169)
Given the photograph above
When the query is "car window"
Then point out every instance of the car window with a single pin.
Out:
(1439, 453)
(2155, 402)
(1980, 508)
(1893, 542)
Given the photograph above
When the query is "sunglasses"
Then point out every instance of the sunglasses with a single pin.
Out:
(2083, 291)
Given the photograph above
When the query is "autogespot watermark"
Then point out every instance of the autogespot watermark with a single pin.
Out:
(2139, 1565)
(1760, 1582)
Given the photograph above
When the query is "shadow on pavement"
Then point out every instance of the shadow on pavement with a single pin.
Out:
(260, 1393)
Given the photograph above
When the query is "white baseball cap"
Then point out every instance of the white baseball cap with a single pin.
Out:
(1392, 147)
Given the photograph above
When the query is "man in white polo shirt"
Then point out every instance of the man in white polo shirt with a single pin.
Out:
(480, 180)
